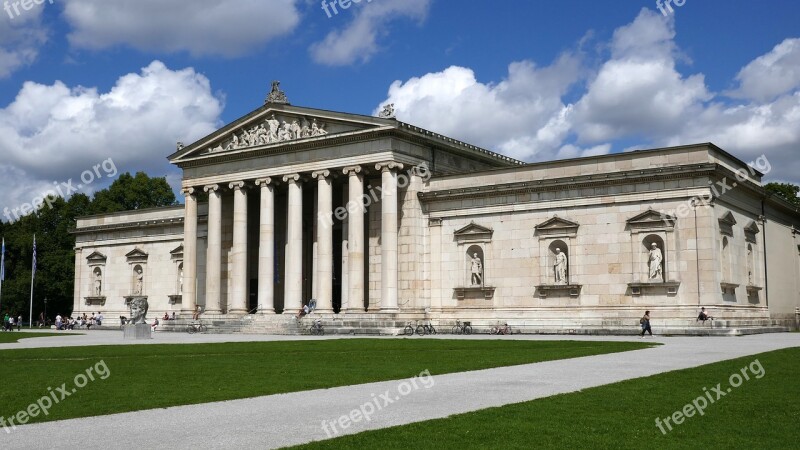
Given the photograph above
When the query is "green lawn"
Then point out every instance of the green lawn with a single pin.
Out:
(7, 337)
(761, 413)
(153, 376)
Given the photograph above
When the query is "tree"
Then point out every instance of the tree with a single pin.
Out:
(55, 272)
(786, 191)
(129, 193)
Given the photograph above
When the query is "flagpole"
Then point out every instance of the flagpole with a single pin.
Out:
(2, 273)
(33, 275)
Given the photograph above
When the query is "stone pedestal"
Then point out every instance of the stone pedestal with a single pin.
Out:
(137, 332)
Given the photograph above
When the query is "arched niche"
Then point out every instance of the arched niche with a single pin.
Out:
(476, 266)
(559, 265)
(654, 248)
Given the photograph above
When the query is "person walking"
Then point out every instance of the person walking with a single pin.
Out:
(19, 323)
(645, 322)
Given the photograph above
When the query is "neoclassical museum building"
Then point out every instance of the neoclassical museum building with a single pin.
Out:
(379, 220)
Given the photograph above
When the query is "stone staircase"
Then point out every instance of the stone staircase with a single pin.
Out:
(392, 325)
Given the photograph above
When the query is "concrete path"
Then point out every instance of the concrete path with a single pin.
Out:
(289, 419)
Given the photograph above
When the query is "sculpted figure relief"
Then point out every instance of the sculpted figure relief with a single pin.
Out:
(139, 283)
(477, 270)
(271, 131)
(139, 309)
(560, 265)
(655, 259)
(98, 284)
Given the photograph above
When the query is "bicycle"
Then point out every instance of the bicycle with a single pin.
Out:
(459, 328)
(426, 329)
(505, 329)
(408, 330)
(196, 327)
(316, 328)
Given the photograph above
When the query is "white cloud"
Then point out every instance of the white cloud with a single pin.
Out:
(51, 133)
(639, 90)
(771, 75)
(201, 27)
(358, 41)
(21, 37)
(522, 116)
(635, 98)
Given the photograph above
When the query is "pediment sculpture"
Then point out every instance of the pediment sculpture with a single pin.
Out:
(271, 131)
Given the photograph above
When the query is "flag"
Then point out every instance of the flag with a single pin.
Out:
(34, 256)
(3, 262)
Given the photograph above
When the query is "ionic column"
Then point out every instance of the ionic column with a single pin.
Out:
(389, 276)
(266, 248)
(238, 298)
(355, 229)
(214, 251)
(293, 296)
(189, 299)
(324, 273)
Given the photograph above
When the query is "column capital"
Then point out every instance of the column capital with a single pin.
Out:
(321, 174)
(237, 185)
(264, 182)
(352, 170)
(389, 165)
(211, 188)
(188, 191)
(292, 178)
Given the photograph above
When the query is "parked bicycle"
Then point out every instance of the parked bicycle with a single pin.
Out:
(409, 329)
(426, 329)
(196, 327)
(505, 329)
(316, 328)
(462, 328)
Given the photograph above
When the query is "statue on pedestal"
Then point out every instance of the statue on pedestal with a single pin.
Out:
(477, 270)
(139, 309)
(655, 259)
(560, 265)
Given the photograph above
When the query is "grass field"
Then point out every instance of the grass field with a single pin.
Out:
(8, 337)
(761, 413)
(137, 375)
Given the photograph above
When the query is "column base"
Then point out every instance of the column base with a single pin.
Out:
(390, 310)
(215, 312)
(238, 312)
(266, 311)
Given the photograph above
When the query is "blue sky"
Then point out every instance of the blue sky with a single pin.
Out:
(82, 81)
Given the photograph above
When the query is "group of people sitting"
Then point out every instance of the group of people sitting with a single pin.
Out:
(70, 323)
(9, 323)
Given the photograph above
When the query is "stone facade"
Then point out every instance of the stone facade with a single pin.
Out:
(374, 216)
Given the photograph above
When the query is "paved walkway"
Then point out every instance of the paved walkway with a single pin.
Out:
(289, 419)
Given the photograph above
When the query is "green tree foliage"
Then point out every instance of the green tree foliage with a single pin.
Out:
(55, 273)
(787, 191)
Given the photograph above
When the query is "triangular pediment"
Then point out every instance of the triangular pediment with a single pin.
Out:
(136, 253)
(557, 223)
(96, 257)
(728, 219)
(275, 125)
(177, 251)
(473, 229)
(652, 217)
(752, 227)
